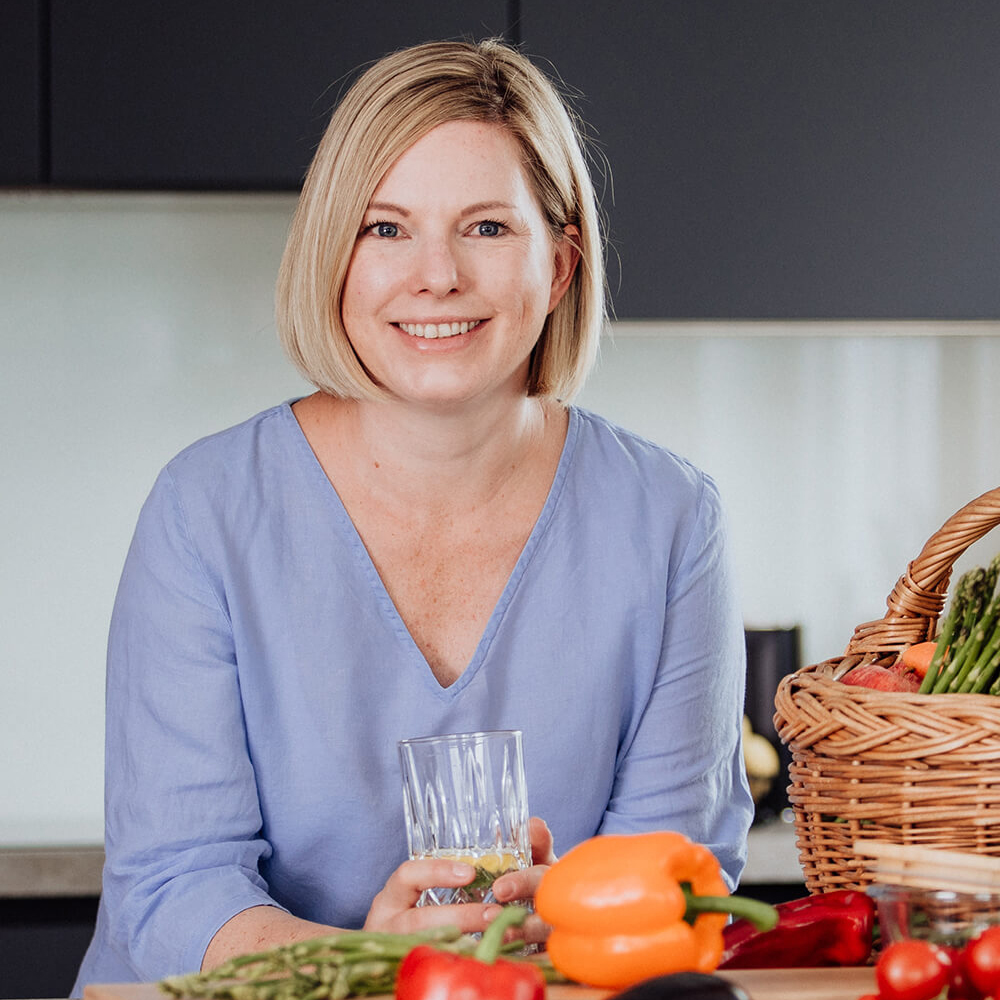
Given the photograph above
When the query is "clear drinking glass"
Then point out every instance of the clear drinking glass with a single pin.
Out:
(465, 799)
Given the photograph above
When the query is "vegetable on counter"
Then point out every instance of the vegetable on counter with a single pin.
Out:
(684, 986)
(347, 964)
(912, 970)
(428, 973)
(981, 961)
(827, 929)
(915, 969)
(628, 907)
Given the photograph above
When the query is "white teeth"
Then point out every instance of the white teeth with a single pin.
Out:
(432, 331)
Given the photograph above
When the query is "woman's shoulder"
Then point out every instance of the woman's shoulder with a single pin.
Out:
(223, 450)
(653, 502)
(612, 451)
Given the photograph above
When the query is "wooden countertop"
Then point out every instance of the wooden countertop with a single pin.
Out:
(760, 984)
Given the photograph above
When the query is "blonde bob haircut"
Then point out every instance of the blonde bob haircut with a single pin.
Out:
(397, 101)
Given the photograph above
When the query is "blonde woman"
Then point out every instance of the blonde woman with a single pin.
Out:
(436, 540)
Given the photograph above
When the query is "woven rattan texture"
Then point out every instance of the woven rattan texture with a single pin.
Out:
(885, 765)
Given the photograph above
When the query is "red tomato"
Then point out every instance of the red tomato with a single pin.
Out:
(911, 970)
(960, 987)
(982, 960)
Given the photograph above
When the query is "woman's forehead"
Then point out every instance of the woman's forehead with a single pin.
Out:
(462, 161)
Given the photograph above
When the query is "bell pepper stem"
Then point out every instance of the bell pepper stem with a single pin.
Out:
(490, 943)
(762, 915)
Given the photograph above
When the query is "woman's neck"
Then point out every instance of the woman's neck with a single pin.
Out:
(437, 460)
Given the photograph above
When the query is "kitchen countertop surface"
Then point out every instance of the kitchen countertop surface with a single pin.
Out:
(75, 870)
(760, 984)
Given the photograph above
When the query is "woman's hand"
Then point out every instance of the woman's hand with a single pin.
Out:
(522, 884)
(395, 908)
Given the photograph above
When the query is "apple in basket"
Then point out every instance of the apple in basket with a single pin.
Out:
(871, 675)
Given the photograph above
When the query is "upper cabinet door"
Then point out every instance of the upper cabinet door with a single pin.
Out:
(782, 159)
(22, 123)
(219, 94)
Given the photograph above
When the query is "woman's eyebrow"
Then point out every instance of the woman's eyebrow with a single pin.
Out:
(488, 206)
(387, 206)
(479, 206)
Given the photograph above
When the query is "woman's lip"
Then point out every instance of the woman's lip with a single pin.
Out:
(437, 331)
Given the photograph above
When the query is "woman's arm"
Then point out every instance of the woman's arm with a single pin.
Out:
(394, 909)
(683, 769)
(183, 819)
(258, 929)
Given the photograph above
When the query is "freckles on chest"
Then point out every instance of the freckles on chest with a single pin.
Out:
(446, 595)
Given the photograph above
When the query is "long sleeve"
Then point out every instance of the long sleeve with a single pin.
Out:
(183, 821)
(685, 758)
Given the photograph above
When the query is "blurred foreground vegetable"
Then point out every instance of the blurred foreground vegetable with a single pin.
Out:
(629, 907)
(348, 964)
(684, 986)
(428, 973)
(830, 928)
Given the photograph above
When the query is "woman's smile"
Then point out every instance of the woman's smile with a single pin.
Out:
(432, 331)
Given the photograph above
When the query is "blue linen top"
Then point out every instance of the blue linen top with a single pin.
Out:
(259, 677)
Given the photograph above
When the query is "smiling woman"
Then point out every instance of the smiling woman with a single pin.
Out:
(398, 102)
(434, 541)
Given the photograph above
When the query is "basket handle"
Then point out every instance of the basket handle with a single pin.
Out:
(917, 599)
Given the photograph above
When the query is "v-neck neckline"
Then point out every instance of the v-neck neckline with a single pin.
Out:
(387, 606)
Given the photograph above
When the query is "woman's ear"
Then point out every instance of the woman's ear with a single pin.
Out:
(567, 257)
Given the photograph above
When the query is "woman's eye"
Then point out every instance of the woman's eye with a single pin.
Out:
(489, 228)
(387, 230)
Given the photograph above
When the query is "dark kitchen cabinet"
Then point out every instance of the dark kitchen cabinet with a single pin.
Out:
(219, 94)
(42, 941)
(789, 159)
(22, 95)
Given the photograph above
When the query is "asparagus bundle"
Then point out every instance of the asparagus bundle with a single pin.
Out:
(967, 655)
(352, 963)
(346, 964)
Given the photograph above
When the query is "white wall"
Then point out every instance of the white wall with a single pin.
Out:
(133, 324)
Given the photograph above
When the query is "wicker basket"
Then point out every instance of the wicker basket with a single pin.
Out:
(885, 765)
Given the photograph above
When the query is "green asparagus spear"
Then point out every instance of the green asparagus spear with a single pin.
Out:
(348, 964)
(351, 963)
(975, 600)
(950, 628)
(993, 574)
(977, 651)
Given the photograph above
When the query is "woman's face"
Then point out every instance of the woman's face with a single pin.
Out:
(454, 270)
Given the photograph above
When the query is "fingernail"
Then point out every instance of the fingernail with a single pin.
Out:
(461, 870)
(491, 913)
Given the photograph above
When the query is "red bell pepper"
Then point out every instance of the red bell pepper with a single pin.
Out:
(826, 929)
(428, 973)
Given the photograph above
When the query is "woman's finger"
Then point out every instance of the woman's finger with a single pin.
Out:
(521, 884)
(534, 929)
(542, 845)
(469, 918)
(402, 889)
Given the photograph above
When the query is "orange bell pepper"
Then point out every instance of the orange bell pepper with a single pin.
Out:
(627, 907)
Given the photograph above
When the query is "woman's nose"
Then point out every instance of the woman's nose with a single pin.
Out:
(436, 267)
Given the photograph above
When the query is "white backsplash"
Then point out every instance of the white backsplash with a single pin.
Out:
(133, 324)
